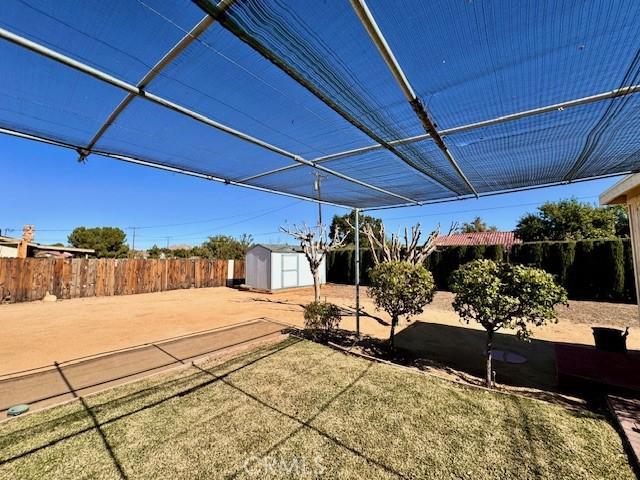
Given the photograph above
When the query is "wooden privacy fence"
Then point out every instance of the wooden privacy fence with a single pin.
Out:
(23, 280)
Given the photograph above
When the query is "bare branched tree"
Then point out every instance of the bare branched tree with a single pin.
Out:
(409, 248)
(315, 244)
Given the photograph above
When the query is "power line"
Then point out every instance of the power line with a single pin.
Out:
(146, 227)
(236, 223)
(206, 233)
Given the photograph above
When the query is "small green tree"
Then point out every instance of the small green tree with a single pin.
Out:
(108, 242)
(400, 288)
(622, 220)
(226, 247)
(477, 225)
(498, 295)
(572, 220)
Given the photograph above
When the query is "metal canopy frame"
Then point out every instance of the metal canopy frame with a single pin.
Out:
(217, 13)
(274, 58)
(559, 107)
(162, 166)
(178, 48)
(369, 23)
(134, 91)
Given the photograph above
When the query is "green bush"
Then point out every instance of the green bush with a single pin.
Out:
(613, 277)
(629, 273)
(400, 289)
(495, 253)
(320, 318)
(587, 269)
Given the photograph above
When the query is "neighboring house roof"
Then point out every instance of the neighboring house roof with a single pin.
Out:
(279, 247)
(57, 248)
(180, 246)
(10, 241)
(52, 254)
(477, 238)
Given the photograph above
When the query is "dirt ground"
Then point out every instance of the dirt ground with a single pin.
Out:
(37, 334)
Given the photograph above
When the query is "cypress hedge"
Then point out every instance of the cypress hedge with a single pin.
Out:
(588, 269)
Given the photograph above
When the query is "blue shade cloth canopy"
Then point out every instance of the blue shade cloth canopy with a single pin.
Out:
(395, 103)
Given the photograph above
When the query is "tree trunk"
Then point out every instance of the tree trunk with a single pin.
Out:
(394, 322)
(316, 284)
(489, 369)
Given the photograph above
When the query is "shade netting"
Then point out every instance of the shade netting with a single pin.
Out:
(306, 77)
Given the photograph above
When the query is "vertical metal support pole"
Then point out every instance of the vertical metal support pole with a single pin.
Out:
(316, 186)
(357, 235)
(633, 211)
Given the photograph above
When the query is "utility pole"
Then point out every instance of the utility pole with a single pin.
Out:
(133, 241)
(316, 186)
(168, 238)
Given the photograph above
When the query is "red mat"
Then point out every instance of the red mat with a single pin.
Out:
(578, 362)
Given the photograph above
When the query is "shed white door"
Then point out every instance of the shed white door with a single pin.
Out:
(290, 270)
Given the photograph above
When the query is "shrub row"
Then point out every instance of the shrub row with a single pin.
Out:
(588, 269)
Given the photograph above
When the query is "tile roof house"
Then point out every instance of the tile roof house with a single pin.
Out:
(478, 238)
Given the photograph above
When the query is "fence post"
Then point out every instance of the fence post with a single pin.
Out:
(230, 271)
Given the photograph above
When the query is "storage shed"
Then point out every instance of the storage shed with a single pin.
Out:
(273, 267)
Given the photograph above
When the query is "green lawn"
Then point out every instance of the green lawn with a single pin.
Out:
(298, 409)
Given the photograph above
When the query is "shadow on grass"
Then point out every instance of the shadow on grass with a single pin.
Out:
(458, 353)
(96, 425)
(306, 424)
(211, 377)
(120, 402)
(464, 349)
(222, 374)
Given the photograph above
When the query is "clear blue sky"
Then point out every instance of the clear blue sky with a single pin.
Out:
(47, 187)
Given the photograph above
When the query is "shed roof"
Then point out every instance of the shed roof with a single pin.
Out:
(478, 238)
(280, 247)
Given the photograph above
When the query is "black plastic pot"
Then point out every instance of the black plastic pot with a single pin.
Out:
(610, 339)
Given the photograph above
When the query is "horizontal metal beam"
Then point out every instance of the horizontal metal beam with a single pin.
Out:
(371, 26)
(178, 48)
(137, 91)
(166, 59)
(168, 168)
(292, 72)
(503, 192)
(204, 176)
(618, 92)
